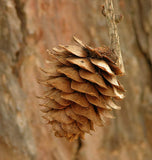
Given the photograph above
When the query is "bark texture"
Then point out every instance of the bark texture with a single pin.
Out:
(27, 29)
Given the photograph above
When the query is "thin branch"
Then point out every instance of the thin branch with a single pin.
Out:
(112, 19)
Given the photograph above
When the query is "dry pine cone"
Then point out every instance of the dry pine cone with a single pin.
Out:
(81, 87)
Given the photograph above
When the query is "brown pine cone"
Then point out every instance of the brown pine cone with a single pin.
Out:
(81, 87)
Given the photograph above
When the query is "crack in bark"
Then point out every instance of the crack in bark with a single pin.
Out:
(141, 49)
(145, 54)
(79, 145)
(19, 7)
(22, 17)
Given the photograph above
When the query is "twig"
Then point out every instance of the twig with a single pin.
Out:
(112, 19)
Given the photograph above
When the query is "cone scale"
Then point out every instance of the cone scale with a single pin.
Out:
(81, 89)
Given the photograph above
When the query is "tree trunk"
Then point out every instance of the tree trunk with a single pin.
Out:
(27, 29)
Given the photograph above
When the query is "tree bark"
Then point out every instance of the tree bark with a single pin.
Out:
(27, 29)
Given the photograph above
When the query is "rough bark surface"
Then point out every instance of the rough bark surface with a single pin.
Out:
(27, 29)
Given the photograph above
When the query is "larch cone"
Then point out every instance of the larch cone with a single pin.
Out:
(81, 88)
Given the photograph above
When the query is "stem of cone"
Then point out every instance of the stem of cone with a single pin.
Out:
(108, 11)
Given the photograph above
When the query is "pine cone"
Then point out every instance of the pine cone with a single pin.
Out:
(81, 89)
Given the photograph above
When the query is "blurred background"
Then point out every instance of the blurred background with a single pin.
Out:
(27, 29)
